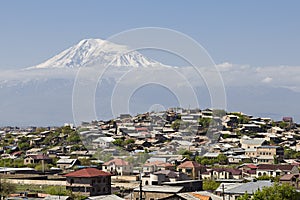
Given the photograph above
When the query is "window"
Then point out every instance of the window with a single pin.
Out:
(259, 173)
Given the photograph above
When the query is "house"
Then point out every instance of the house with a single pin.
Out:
(56, 197)
(34, 151)
(199, 195)
(297, 148)
(250, 152)
(67, 163)
(248, 170)
(291, 179)
(103, 142)
(90, 181)
(118, 166)
(222, 173)
(156, 166)
(275, 170)
(54, 151)
(211, 155)
(159, 177)
(251, 143)
(269, 154)
(237, 159)
(82, 154)
(35, 159)
(105, 197)
(250, 128)
(191, 168)
(233, 191)
(151, 192)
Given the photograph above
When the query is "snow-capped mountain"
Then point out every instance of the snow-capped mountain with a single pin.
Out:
(91, 51)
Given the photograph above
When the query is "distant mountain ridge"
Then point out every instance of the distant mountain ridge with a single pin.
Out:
(91, 51)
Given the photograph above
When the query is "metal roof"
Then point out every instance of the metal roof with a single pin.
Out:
(160, 189)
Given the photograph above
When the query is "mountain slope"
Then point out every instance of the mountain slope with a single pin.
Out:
(91, 51)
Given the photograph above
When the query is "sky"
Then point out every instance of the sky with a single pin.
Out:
(256, 33)
(255, 44)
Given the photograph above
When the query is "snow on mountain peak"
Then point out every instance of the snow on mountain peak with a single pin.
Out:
(90, 51)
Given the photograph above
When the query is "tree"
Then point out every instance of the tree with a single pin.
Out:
(246, 196)
(204, 122)
(210, 185)
(129, 141)
(42, 168)
(118, 142)
(73, 138)
(222, 159)
(6, 188)
(23, 143)
(176, 124)
(277, 192)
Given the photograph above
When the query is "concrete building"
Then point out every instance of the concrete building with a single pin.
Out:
(89, 181)
(118, 166)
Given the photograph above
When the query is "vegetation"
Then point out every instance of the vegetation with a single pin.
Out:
(176, 124)
(41, 168)
(266, 177)
(11, 162)
(291, 154)
(23, 143)
(6, 188)
(186, 153)
(276, 192)
(210, 185)
(221, 159)
(242, 119)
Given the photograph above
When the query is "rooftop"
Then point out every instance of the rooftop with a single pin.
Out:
(87, 173)
(160, 189)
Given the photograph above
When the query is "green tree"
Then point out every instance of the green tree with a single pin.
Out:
(210, 185)
(119, 142)
(176, 124)
(56, 190)
(23, 143)
(6, 188)
(74, 138)
(246, 196)
(277, 192)
(222, 159)
(85, 162)
(204, 122)
(40, 167)
(129, 141)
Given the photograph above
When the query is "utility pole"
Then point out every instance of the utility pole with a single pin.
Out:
(223, 191)
(141, 187)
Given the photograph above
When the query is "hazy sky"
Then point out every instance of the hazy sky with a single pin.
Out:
(256, 33)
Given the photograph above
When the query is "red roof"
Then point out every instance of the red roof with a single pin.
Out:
(275, 167)
(251, 166)
(190, 164)
(117, 162)
(88, 172)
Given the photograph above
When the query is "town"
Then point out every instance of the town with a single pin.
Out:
(176, 154)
